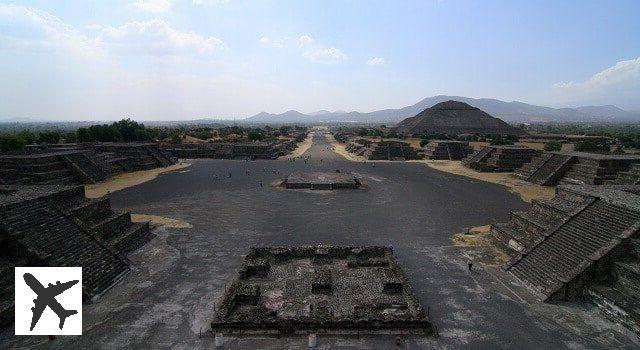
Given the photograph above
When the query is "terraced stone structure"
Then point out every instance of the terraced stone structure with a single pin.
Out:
(58, 226)
(321, 181)
(582, 244)
(505, 158)
(257, 150)
(455, 118)
(78, 163)
(551, 168)
(447, 150)
(383, 150)
(332, 289)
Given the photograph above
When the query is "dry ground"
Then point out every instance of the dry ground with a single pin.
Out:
(126, 180)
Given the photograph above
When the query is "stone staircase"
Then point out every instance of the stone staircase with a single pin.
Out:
(500, 158)
(526, 228)
(159, 156)
(116, 229)
(550, 171)
(84, 167)
(57, 240)
(477, 156)
(579, 243)
(447, 150)
(530, 168)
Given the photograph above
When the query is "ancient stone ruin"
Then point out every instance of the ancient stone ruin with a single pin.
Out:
(499, 158)
(454, 118)
(254, 150)
(551, 168)
(447, 150)
(383, 150)
(58, 226)
(333, 289)
(321, 181)
(582, 244)
(78, 163)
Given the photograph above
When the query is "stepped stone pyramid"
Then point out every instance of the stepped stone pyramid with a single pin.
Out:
(551, 168)
(454, 118)
(383, 150)
(78, 163)
(255, 150)
(499, 158)
(58, 226)
(582, 244)
(447, 150)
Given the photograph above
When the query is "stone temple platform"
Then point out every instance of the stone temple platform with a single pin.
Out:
(326, 289)
(321, 181)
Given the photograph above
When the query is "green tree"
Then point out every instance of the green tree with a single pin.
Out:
(553, 146)
(11, 142)
(593, 145)
(49, 137)
(255, 135)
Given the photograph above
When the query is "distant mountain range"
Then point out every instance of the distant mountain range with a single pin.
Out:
(513, 112)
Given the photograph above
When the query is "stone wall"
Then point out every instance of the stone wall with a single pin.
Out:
(264, 150)
(275, 284)
(499, 158)
(58, 226)
(78, 163)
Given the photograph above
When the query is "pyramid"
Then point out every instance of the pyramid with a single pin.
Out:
(453, 117)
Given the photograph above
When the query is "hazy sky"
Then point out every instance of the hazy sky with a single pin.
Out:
(186, 59)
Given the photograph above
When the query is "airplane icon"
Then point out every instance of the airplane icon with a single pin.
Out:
(47, 297)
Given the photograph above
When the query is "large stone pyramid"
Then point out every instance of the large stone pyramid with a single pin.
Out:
(453, 117)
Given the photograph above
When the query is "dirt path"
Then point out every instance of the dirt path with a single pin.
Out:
(526, 190)
(126, 180)
(301, 147)
(161, 220)
(340, 148)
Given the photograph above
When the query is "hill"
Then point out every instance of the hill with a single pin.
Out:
(513, 112)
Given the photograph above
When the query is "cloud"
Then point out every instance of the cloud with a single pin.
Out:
(328, 55)
(618, 84)
(376, 61)
(153, 6)
(26, 28)
(277, 43)
(157, 38)
(318, 53)
(305, 41)
(621, 73)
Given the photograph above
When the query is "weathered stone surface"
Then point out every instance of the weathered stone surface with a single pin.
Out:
(453, 118)
(78, 163)
(58, 226)
(582, 243)
(499, 158)
(383, 150)
(321, 181)
(568, 167)
(447, 150)
(298, 295)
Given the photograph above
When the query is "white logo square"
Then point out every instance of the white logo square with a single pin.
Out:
(48, 301)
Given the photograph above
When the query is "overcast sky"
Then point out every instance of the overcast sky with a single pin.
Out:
(187, 59)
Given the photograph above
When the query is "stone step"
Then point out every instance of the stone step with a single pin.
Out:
(573, 244)
(628, 276)
(618, 306)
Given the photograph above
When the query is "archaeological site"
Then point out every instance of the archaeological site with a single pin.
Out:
(330, 238)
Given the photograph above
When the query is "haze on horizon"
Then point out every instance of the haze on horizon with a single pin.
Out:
(190, 59)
